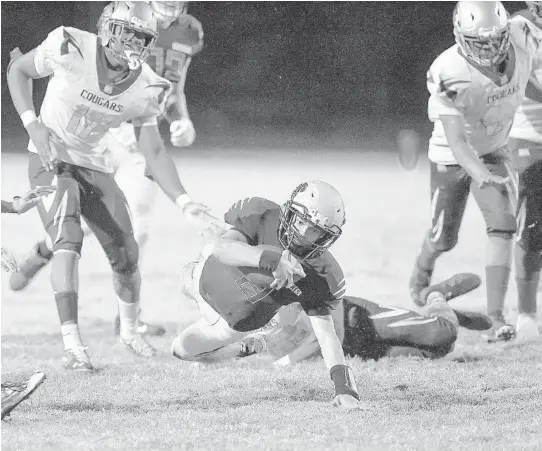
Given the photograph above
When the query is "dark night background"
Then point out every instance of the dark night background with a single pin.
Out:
(281, 74)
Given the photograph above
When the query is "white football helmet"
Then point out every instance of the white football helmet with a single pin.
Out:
(311, 221)
(536, 10)
(169, 11)
(482, 31)
(129, 31)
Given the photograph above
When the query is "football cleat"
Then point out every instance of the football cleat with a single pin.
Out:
(13, 393)
(138, 345)
(419, 280)
(78, 360)
(143, 328)
(252, 345)
(527, 327)
(28, 268)
(473, 320)
(455, 286)
(500, 331)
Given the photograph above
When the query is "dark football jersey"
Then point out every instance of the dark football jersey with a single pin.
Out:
(183, 39)
(246, 306)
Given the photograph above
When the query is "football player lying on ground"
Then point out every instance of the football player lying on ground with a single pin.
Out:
(372, 330)
(13, 393)
(271, 257)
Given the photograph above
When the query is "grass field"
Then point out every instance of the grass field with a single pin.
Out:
(479, 397)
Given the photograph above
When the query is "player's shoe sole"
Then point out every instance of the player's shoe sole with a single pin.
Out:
(21, 392)
(455, 286)
(473, 320)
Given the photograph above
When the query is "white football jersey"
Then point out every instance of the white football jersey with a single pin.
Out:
(487, 105)
(528, 120)
(80, 104)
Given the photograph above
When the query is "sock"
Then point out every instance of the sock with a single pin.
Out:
(428, 255)
(71, 336)
(66, 304)
(128, 314)
(496, 288)
(438, 307)
(527, 291)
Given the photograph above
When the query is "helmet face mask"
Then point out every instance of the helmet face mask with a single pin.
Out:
(128, 30)
(306, 228)
(482, 32)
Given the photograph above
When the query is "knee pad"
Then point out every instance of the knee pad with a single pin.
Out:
(501, 225)
(124, 258)
(178, 350)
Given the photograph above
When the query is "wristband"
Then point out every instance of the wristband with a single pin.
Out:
(182, 200)
(269, 260)
(28, 117)
(342, 377)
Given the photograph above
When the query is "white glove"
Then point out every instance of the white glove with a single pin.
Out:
(9, 262)
(29, 199)
(183, 132)
(287, 268)
(345, 401)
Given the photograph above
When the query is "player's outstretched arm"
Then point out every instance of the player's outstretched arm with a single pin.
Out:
(182, 129)
(163, 169)
(28, 200)
(346, 394)
(454, 127)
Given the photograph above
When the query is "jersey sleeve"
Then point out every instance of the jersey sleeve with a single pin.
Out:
(57, 50)
(246, 216)
(324, 299)
(448, 87)
(157, 90)
(526, 35)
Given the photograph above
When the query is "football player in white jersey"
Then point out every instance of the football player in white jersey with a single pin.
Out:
(526, 142)
(476, 87)
(180, 38)
(98, 83)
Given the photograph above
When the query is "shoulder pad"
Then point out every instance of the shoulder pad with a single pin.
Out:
(250, 206)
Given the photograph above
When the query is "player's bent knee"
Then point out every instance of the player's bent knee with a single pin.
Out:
(123, 259)
(181, 349)
(445, 243)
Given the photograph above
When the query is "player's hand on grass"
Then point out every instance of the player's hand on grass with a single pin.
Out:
(9, 262)
(183, 133)
(288, 267)
(40, 136)
(29, 199)
(345, 401)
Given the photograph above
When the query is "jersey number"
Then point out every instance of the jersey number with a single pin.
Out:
(169, 64)
(86, 122)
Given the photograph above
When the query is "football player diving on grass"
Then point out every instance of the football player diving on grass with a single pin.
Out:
(180, 37)
(270, 257)
(372, 330)
(526, 144)
(476, 87)
(98, 83)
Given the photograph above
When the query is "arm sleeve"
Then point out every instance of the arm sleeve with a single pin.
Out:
(246, 216)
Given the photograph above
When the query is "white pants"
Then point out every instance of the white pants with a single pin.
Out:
(210, 332)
